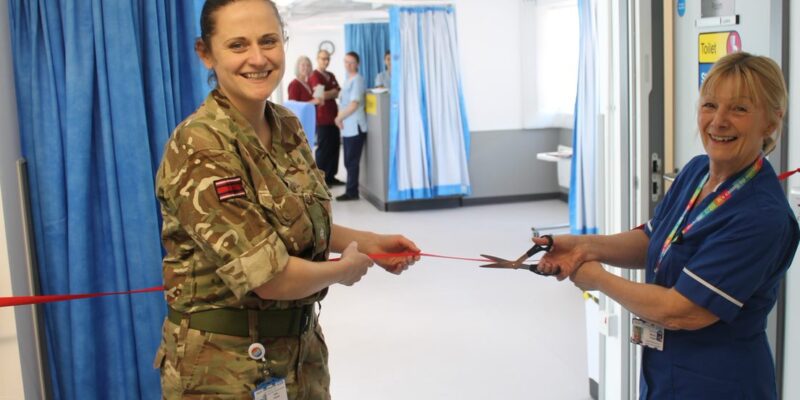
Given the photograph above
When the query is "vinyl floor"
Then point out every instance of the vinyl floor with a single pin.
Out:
(448, 329)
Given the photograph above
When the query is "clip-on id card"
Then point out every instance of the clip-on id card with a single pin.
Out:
(272, 389)
(647, 334)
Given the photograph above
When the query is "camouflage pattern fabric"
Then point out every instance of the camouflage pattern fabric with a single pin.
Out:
(213, 366)
(233, 213)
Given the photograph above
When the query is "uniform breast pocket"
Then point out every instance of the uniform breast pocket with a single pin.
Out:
(287, 208)
(287, 214)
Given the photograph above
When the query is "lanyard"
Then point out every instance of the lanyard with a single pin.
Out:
(718, 202)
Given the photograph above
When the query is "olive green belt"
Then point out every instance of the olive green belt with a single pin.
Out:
(235, 322)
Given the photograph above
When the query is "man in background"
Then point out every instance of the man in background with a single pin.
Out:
(326, 89)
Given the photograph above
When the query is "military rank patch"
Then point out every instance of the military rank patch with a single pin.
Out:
(229, 188)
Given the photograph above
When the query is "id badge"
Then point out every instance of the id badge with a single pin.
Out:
(271, 389)
(647, 334)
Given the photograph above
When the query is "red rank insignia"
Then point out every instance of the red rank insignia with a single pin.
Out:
(229, 188)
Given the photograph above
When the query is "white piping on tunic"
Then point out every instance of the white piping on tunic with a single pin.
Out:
(713, 288)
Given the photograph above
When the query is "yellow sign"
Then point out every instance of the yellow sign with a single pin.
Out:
(372, 104)
(713, 46)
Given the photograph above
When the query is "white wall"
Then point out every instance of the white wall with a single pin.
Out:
(791, 355)
(18, 376)
(490, 45)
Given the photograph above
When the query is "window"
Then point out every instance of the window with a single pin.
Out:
(552, 62)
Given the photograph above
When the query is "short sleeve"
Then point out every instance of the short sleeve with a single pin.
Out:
(212, 198)
(359, 90)
(659, 214)
(294, 91)
(735, 261)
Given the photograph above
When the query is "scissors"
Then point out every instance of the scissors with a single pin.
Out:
(520, 262)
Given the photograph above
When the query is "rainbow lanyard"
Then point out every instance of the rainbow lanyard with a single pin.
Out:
(713, 206)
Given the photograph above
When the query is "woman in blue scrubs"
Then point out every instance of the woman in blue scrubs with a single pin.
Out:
(714, 252)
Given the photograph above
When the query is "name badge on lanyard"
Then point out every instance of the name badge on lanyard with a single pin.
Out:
(675, 236)
(647, 334)
(269, 387)
(272, 389)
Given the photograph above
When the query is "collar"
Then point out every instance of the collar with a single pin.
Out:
(220, 106)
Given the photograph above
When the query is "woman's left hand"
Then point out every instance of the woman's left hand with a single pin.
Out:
(394, 244)
(587, 275)
(339, 122)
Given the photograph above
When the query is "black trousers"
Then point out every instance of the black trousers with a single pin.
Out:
(327, 154)
(352, 157)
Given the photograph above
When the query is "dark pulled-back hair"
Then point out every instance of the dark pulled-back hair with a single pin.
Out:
(208, 23)
(354, 55)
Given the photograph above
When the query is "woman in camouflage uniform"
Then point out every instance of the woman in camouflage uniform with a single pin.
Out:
(247, 226)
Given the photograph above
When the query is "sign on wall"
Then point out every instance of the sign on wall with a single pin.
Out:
(371, 105)
(713, 46)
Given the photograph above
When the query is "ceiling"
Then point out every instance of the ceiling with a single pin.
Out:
(327, 14)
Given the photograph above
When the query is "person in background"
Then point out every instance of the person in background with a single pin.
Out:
(247, 228)
(384, 79)
(714, 253)
(352, 120)
(328, 140)
(299, 89)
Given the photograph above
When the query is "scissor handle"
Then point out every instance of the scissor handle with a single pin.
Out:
(535, 269)
(537, 248)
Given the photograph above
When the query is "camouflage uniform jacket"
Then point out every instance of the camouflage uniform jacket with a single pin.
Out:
(234, 212)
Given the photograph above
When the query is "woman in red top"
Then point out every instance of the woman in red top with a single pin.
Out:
(299, 89)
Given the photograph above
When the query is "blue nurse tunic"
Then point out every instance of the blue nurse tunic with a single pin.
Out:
(729, 263)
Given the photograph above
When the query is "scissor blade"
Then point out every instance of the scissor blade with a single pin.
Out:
(499, 262)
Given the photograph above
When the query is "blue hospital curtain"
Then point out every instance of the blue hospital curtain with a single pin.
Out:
(370, 41)
(429, 135)
(582, 196)
(100, 86)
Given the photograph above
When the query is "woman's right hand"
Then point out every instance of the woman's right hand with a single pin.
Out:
(565, 256)
(355, 264)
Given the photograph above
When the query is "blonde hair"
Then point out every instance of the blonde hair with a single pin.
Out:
(300, 61)
(759, 78)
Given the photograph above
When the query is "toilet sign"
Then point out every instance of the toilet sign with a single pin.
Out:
(713, 46)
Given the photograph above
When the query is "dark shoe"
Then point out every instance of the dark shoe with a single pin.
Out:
(334, 182)
(347, 197)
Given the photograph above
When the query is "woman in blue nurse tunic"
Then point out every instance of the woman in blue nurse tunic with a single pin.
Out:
(714, 252)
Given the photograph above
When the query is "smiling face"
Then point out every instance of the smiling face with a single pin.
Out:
(732, 126)
(304, 69)
(245, 51)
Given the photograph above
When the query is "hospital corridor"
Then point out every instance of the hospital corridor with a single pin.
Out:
(399, 199)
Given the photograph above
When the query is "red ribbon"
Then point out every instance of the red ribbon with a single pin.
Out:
(787, 174)
(53, 298)
(25, 300)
